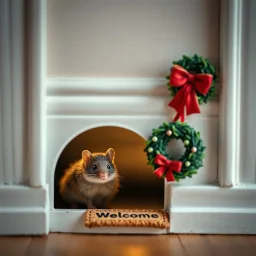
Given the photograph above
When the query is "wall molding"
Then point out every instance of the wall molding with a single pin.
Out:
(247, 172)
(11, 92)
(82, 86)
(114, 96)
(125, 86)
(24, 210)
(6, 92)
(119, 105)
(212, 209)
(18, 89)
(212, 196)
(232, 13)
(37, 93)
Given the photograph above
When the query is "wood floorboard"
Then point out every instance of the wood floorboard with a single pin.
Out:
(194, 245)
(70, 244)
(221, 245)
(14, 245)
(59, 244)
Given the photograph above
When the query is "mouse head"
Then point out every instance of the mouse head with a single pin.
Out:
(99, 167)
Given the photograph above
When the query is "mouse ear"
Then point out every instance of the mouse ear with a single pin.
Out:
(86, 155)
(111, 154)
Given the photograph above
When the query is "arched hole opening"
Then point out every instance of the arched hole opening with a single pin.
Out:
(140, 188)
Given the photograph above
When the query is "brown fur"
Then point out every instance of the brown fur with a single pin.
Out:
(75, 188)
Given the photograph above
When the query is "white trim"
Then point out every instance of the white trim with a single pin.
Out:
(19, 196)
(12, 91)
(37, 106)
(6, 92)
(212, 196)
(17, 78)
(1, 146)
(1, 119)
(240, 23)
(23, 210)
(24, 221)
(119, 105)
(248, 121)
(213, 221)
(229, 133)
(101, 96)
(74, 86)
(213, 210)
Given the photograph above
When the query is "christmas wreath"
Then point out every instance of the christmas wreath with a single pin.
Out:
(166, 166)
(192, 81)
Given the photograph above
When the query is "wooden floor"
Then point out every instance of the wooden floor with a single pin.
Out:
(128, 245)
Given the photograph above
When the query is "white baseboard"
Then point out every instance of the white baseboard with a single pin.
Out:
(23, 210)
(213, 210)
(193, 209)
(213, 221)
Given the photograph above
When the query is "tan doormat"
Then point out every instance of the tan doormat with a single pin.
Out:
(126, 218)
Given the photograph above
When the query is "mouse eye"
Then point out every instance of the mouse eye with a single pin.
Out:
(108, 166)
(94, 167)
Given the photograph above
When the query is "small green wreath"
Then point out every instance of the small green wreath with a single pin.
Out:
(166, 166)
(196, 65)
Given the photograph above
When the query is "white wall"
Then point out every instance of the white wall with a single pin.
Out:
(128, 38)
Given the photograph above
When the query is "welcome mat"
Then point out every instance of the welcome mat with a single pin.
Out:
(126, 218)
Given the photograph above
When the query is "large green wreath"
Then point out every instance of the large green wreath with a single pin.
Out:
(191, 160)
(196, 65)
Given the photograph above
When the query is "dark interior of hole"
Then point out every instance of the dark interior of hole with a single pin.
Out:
(140, 188)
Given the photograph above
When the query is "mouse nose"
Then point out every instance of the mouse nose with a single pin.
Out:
(103, 176)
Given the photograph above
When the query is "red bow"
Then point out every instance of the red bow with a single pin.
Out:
(186, 96)
(168, 166)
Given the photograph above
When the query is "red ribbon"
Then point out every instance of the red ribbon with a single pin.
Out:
(168, 166)
(186, 96)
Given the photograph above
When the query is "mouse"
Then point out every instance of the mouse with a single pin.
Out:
(93, 180)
